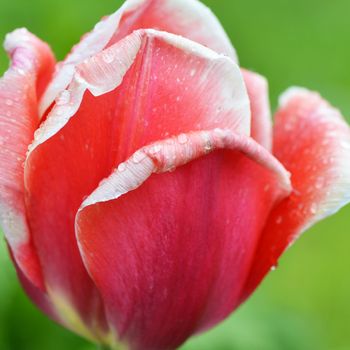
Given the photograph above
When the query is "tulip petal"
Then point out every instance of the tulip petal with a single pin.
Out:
(312, 141)
(36, 295)
(188, 18)
(173, 248)
(261, 123)
(147, 86)
(31, 67)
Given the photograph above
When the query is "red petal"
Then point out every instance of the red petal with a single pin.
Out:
(85, 137)
(312, 140)
(169, 252)
(31, 67)
(261, 124)
(188, 18)
(37, 296)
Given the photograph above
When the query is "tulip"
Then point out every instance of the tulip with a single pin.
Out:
(144, 193)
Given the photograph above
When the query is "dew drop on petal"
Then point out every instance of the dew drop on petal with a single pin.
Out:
(21, 71)
(121, 167)
(182, 138)
(108, 57)
(319, 183)
(63, 98)
(208, 146)
(155, 149)
(138, 157)
(313, 208)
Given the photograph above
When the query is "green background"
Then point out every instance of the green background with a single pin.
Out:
(304, 304)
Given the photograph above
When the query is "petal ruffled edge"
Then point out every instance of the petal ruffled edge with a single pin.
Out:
(125, 52)
(32, 64)
(334, 140)
(312, 140)
(191, 11)
(165, 156)
(261, 123)
(169, 154)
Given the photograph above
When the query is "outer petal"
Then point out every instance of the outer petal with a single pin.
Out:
(36, 295)
(173, 249)
(147, 86)
(31, 67)
(261, 123)
(188, 18)
(312, 140)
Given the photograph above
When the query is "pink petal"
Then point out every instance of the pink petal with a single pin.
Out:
(37, 296)
(170, 251)
(188, 18)
(118, 101)
(31, 67)
(312, 140)
(261, 128)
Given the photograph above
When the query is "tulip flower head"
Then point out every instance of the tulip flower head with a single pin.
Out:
(144, 192)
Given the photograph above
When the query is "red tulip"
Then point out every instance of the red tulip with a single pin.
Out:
(149, 204)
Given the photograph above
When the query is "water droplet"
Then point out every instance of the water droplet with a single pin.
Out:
(155, 149)
(21, 71)
(182, 138)
(99, 26)
(193, 72)
(266, 187)
(108, 56)
(273, 268)
(121, 167)
(171, 168)
(138, 157)
(319, 183)
(9, 102)
(63, 98)
(279, 220)
(208, 146)
(313, 208)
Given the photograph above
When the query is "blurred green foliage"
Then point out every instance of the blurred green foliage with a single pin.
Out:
(304, 305)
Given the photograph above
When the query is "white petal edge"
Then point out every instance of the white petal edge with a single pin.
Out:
(167, 155)
(70, 99)
(98, 38)
(338, 193)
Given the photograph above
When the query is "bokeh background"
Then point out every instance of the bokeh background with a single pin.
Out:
(304, 304)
